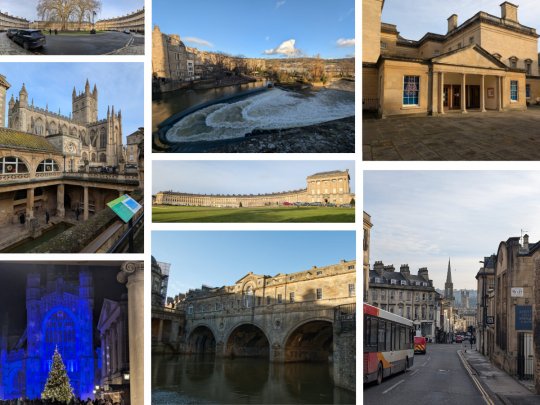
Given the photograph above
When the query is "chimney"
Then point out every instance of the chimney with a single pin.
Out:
(509, 11)
(526, 242)
(423, 272)
(390, 268)
(452, 22)
(379, 267)
(404, 269)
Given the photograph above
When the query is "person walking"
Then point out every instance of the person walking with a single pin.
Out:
(77, 212)
(47, 217)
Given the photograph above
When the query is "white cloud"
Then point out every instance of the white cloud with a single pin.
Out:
(198, 41)
(286, 48)
(343, 43)
(279, 3)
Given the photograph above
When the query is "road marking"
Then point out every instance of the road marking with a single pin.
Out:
(485, 395)
(414, 372)
(393, 386)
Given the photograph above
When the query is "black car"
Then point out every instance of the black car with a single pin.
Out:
(12, 31)
(29, 39)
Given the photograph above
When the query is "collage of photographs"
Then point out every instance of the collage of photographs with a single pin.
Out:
(239, 284)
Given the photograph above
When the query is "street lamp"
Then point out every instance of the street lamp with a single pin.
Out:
(126, 376)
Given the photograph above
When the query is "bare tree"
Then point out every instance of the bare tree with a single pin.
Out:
(86, 8)
(60, 10)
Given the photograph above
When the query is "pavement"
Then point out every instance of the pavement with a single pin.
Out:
(116, 43)
(489, 136)
(502, 388)
(8, 47)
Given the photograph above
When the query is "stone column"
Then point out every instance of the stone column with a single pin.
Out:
(114, 351)
(463, 95)
(501, 93)
(160, 331)
(103, 358)
(60, 209)
(121, 193)
(483, 95)
(30, 203)
(441, 100)
(85, 204)
(132, 273)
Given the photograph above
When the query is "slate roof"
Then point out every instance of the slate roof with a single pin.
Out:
(12, 139)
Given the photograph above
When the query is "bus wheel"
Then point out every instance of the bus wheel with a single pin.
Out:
(379, 374)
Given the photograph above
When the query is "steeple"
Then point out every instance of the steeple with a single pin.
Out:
(87, 87)
(23, 96)
(94, 92)
(74, 94)
(449, 286)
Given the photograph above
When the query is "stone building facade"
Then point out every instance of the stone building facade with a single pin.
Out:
(485, 314)
(485, 63)
(133, 21)
(325, 187)
(170, 58)
(405, 294)
(132, 147)
(8, 21)
(514, 306)
(82, 136)
(366, 241)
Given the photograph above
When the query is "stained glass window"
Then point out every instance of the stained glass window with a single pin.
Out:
(411, 90)
(513, 90)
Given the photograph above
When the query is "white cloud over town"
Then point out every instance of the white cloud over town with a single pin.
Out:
(198, 41)
(286, 48)
(343, 42)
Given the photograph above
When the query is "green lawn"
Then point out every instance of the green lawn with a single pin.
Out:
(163, 213)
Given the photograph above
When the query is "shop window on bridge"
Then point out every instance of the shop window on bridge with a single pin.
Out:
(12, 165)
(411, 90)
(319, 293)
(48, 165)
(513, 90)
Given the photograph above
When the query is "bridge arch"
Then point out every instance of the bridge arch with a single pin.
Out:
(201, 340)
(309, 341)
(247, 340)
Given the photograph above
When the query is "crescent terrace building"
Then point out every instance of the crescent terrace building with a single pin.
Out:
(484, 63)
(325, 187)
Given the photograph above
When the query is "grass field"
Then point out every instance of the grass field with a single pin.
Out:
(163, 213)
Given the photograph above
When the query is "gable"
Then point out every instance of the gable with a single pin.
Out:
(470, 56)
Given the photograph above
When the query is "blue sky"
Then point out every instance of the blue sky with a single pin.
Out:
(261, 28)
(109, 8)
(239, 177)
(218, 258)
(423, 217)
(433, 15)
(118, 84)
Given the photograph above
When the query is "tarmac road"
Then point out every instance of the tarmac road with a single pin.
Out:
(437, 377)
(84, 44)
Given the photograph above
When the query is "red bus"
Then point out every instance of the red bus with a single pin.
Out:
(388, 344)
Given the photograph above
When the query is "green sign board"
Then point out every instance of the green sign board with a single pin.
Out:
(125, 207)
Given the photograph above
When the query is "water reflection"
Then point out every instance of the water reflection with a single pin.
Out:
(204, 379)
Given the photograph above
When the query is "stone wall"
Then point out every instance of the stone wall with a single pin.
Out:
(345, 360)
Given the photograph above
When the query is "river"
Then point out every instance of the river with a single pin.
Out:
(167, 104)
(198, 379)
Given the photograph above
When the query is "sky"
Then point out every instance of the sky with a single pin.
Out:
(218, 258)
(118, 84)
(423, 218)
(239, 177)
(261, 28)
(433, 15)
(109, 8)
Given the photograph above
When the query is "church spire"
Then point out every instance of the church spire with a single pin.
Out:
(449, 273)
(449, 286)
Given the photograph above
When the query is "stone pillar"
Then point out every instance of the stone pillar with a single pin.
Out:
(434, 93)
(483, 95)
(30, 203)
(121, 193)
(60, 209)
(114, 351)
(441, 100)
(501, 93)
(85, 204)
(103, 358)
(160, 331)
(463, 94)
(132, 273)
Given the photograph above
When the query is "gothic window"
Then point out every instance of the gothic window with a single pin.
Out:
(93, 157)
(102, 138)
(59, 331)
(47, 165)
(103, 158)
(53, 128)
(12, 165)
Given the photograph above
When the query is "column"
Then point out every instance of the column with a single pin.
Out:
(85, 204)
(120, 193)
(463, 95)
(30, 203)
(441, 99)
(434, 93)
(160, 331)
(60, 209)
(132, 273)
(499, 94)
(483, 95)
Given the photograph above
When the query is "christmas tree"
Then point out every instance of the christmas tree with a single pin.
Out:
(57, 387)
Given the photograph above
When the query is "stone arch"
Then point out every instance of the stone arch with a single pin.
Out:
(73, 131)
(201, 340)
(84, 138)
(93, 137)
(93, 157)
(14, 164)
(247, 340)
(64, 129)
(53, 128)
(310, 340)
(39, 126)
(84, 156)
(59, 328)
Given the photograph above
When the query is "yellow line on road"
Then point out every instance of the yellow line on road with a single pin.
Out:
(485, 395)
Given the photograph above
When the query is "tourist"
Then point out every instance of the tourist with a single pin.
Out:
(77, 212)
(55, 31)
(22, 218)
(47, 217)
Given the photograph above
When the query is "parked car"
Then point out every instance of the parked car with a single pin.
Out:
(29, 39)
(10, 32)
(126, 31)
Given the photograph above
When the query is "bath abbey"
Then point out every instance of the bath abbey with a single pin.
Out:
(58, 170)
(322, 188)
